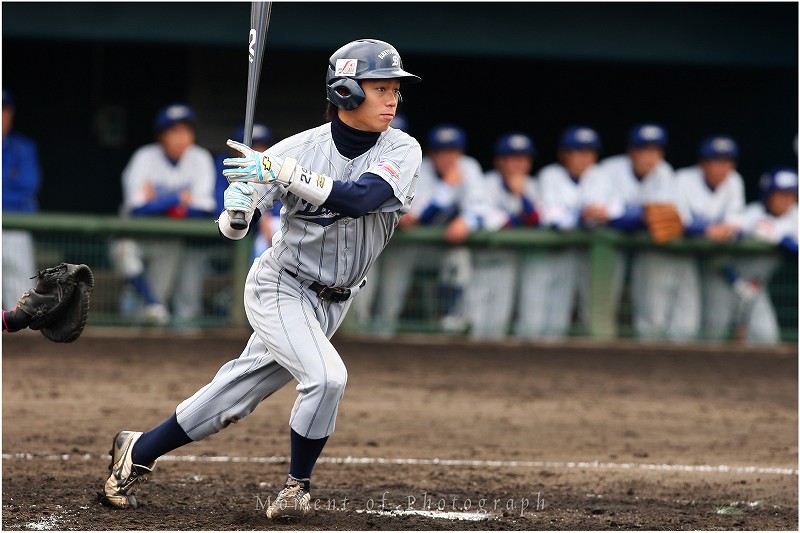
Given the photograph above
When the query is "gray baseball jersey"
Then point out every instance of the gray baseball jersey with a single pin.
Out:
(292, 324)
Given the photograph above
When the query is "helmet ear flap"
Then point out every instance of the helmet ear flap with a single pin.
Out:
(346, 93)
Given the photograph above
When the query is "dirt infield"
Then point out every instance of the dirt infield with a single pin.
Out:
(478, 436)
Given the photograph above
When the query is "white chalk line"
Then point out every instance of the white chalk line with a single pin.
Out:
(443, 515)
(585, 465)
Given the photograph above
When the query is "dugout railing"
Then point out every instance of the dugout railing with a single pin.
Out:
(84, 238)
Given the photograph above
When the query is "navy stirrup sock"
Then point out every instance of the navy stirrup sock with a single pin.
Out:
(158, 441)
(305, 453)
(139, 283)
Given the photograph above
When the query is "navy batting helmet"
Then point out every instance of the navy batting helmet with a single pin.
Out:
(778, 179)
(362, 60)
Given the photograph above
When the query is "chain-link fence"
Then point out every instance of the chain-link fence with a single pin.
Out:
(513, 283)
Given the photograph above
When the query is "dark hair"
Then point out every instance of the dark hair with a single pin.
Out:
(330, 111)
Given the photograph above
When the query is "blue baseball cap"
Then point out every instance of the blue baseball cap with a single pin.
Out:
(514, 144)
(8, 98)
(261, 134)
(173, 114)
(579, 138)
(778, 179)
(648, 134)
(719, 147)
(447, 136)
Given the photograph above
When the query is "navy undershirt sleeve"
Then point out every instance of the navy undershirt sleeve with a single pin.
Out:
(630, 220)
(355, 199)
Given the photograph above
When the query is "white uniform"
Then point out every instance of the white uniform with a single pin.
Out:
(491, 295)
(664, 291)
(757, 316)
(710, 207)
(453, 263)
(172, 267)
(552, 280)
(292, 325)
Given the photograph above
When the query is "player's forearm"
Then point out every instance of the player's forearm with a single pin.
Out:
(789, 244)
(357, 198)
(698, 226)
(157, 206)
(630, 220)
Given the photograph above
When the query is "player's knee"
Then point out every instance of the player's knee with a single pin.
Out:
(336, 382)
(333, 382)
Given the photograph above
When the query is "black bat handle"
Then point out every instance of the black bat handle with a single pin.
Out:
(238, 221)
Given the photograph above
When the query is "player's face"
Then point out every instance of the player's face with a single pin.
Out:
(378, 108)
(176, 139)
(577, 161)
(444, 160)
(716, 170)
(779, 202)
(514, 165)
(8, 120)
(645, 159)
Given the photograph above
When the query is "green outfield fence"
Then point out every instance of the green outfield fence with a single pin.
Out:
(83, 238)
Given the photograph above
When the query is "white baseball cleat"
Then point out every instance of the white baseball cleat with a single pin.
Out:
(156, 314)
(294, 501)
(125, 478)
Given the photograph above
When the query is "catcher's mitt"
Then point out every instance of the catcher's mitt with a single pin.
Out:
(59, 304)
(663, 222)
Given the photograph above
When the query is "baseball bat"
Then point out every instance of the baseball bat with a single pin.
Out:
(259, 24)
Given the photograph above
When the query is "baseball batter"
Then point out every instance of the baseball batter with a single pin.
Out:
(343, 186)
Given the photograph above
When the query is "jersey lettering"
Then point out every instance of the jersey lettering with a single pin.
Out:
(317, 215)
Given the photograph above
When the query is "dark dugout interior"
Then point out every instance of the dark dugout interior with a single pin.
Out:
(89, 100)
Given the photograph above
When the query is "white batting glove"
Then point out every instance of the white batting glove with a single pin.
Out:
(241, 197)
(254, 167)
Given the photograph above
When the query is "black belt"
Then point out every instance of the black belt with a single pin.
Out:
(332, 294)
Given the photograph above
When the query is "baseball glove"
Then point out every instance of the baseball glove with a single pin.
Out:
(59, 304)
(663, 222)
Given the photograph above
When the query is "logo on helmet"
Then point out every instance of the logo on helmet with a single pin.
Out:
(346, 67)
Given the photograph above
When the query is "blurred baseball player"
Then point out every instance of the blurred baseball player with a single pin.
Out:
(663, 289)
(571, 191)
(743, 307)
(509, 200)
(174, 178)
(344, 186)
(713, 191)
(21, 182)
(449, 181)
